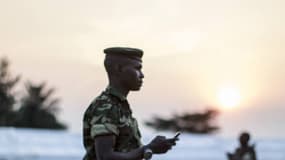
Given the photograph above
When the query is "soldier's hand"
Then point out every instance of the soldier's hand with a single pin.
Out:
(173, 140)
(160, 144)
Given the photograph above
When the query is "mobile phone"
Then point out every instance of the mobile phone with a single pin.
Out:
(176, 135)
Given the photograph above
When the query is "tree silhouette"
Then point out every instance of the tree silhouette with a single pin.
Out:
(7, 98)
(38, 109)
(200, 123)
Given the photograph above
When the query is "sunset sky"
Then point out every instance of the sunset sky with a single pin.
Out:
(197, 53)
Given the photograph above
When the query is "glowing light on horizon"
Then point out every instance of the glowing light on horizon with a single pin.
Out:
(229, 97)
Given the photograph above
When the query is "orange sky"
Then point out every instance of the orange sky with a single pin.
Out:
(192, 50)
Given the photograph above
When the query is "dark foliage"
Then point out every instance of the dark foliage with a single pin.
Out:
(7, 98)
(200, 123)
(37, 108)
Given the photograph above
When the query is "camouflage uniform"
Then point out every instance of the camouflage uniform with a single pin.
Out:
(109, 114)
(243, 154)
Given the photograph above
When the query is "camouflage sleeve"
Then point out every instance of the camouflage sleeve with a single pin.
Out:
(105, 120)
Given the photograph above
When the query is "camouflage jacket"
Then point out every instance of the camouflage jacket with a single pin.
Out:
(108, 114)
(243, 154)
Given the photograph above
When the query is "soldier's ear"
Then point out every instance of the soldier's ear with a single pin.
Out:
(118, 68)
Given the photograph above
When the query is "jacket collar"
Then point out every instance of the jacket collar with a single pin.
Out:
(113, 91)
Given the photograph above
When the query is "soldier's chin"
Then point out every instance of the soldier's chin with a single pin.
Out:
(136, 88)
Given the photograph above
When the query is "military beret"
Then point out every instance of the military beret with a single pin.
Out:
(124, 51)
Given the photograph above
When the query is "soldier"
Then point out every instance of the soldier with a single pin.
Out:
(245, 151)
(110, 132)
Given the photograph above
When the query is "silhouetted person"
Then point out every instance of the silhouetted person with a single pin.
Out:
(244, 151)
(110, 132)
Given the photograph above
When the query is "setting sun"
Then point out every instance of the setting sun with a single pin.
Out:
(229, 97)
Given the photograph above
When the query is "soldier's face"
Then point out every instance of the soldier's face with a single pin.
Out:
(131, 75)
(244, 141)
